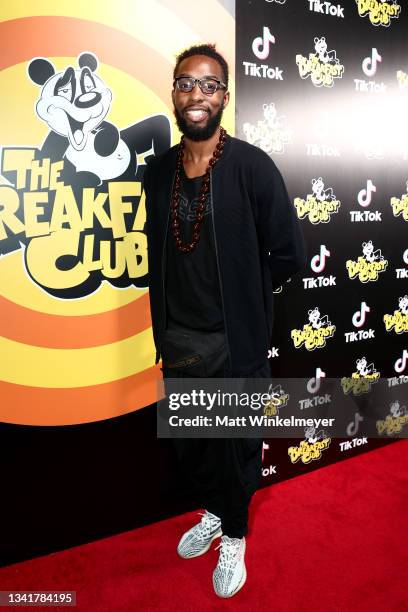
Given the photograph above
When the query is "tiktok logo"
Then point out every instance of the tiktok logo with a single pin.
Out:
(359, 317)
(313, 384)
(403, 272)
(369, 64)
(353, 426)
(364, 199)
(401, 363)
(260, 45)
(364, 196)
(318, 262)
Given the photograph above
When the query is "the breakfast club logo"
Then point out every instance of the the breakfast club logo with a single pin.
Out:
(318, 205)
(278, 399)
(400, 205)
(322, 66)
(315, 332)
(74, 205)
(402, 79)
(368, 265)
(398, 321)
(362, 379)
(395, 421)
(270, 133)
(311, 448)
(380, 12)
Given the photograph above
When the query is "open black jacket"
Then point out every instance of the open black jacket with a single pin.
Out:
(258, 244)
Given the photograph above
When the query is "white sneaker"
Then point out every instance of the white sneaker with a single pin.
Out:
(197, 540)
(230, 574)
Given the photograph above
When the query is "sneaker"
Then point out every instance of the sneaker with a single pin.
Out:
(197, 540)
(230, 574)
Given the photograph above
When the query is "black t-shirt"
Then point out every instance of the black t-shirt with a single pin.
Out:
(193, 294)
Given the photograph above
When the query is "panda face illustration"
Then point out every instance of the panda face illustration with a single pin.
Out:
(395, 409)
(368, 249)
(314, 317)
(317, 186)
(270, 113)
(361, 365)
(73, 102)
(310, 432)
(311, 435)
(403, 304)
(320, 46)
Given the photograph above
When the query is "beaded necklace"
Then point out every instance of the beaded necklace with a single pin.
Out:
(188, 247)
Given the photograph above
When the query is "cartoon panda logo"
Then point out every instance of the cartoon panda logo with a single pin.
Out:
(278, 398)
(74, 104)
(270, 133)
(312, 435)
(363, 368)
(315, 320)
(320, 193)
(327, 57)
(271, 115)
(369, 253)
(403, 304)
(396, 410)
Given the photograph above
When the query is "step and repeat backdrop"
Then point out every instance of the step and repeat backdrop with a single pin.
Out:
(85, 101)
(322, 87)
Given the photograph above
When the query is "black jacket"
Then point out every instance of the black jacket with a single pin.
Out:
(258, 243)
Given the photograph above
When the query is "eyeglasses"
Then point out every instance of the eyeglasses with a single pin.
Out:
(207, 86)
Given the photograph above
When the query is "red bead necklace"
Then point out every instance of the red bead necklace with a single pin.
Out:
(188, 247)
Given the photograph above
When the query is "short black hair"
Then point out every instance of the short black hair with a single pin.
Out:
(206, 49)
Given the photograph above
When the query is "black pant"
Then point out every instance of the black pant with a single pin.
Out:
(224, 473)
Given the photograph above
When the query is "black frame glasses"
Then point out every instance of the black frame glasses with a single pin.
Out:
(191, 82)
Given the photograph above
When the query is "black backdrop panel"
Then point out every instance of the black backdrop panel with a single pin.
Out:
(323, 91)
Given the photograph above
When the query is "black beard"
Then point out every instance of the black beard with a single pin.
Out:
(195, 133)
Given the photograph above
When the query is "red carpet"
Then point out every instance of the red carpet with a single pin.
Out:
(334, 540)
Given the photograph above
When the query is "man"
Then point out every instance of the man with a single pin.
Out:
(222, 235)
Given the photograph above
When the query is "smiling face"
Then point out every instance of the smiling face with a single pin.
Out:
(368, 248)
(198, 115)
(73, 103)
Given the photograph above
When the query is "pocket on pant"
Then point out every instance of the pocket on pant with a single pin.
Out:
(193, 353)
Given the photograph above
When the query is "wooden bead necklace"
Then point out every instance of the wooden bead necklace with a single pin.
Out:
(188, 247)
